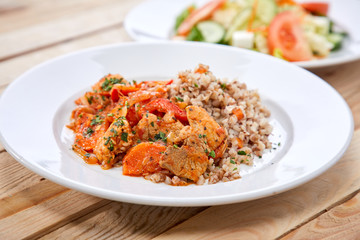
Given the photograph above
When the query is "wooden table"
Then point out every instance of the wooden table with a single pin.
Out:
(31, 206)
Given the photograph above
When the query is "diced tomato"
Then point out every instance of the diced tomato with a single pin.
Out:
(132, 117)
(199, 14)
(320, 8)
(285, 33)
(164, 105)
(143, 159)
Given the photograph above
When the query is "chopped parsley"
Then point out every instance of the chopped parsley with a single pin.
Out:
(152, 124)
(119, 123)
(97, 120)
(124, 136)
(90, 99)
(232, 162)
(241, 153)
(212, 154)
(195, 84)
(179, 99)
(176, 146)
(89, 131)
(110, 114)
(109, 83)
(223, 86)
(110, 143)
(161, 136)
(87, 155)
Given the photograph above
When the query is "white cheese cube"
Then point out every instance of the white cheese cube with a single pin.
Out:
(243, 39)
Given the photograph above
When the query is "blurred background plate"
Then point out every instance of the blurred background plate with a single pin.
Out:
(154, 20)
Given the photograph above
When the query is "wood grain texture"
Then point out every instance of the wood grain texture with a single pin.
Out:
(73, 25)
(48, 215)
(124, 221)
(346, 80)
(29, 197)
(14, 177)
(341, 222)
(270, 217)
(21, 14)
(13, 68)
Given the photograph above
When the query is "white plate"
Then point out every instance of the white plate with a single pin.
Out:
(311, 120)
(154, 20)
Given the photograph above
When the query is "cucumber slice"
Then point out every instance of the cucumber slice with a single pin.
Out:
(239, 23)
(266, 10)
(211, 31)
(336, 39)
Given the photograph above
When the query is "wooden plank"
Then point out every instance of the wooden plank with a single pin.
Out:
(49, 215)
(345, 79)
(38, 36)
(14, 177)
(13, 68)
(20, 14)
(270, 217)
(25, 194)
(29, 197)
(341, 222)
(124, 221)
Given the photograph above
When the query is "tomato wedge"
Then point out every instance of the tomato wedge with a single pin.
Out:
(320, 8)
(198, 15)
(285, 33)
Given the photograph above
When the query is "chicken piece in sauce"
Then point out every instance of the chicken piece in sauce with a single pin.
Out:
(187, 162)
(150, 126)
(204, 137)
(206, 128)
(117, 139)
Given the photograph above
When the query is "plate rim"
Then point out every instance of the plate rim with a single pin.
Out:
(133, 198)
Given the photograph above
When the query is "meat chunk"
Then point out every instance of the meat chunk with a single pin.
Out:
(187, 162)
(147, 127)
(202, 123)
(150, 126)
(117, 139)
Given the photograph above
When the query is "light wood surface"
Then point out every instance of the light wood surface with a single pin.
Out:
(328, 207)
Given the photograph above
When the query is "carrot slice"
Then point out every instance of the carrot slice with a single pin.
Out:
(238, 113)
(143, 159)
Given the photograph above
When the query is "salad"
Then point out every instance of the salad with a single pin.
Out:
(282, 28)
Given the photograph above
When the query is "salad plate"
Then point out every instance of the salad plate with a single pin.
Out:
(155, 20)
(33, 126)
